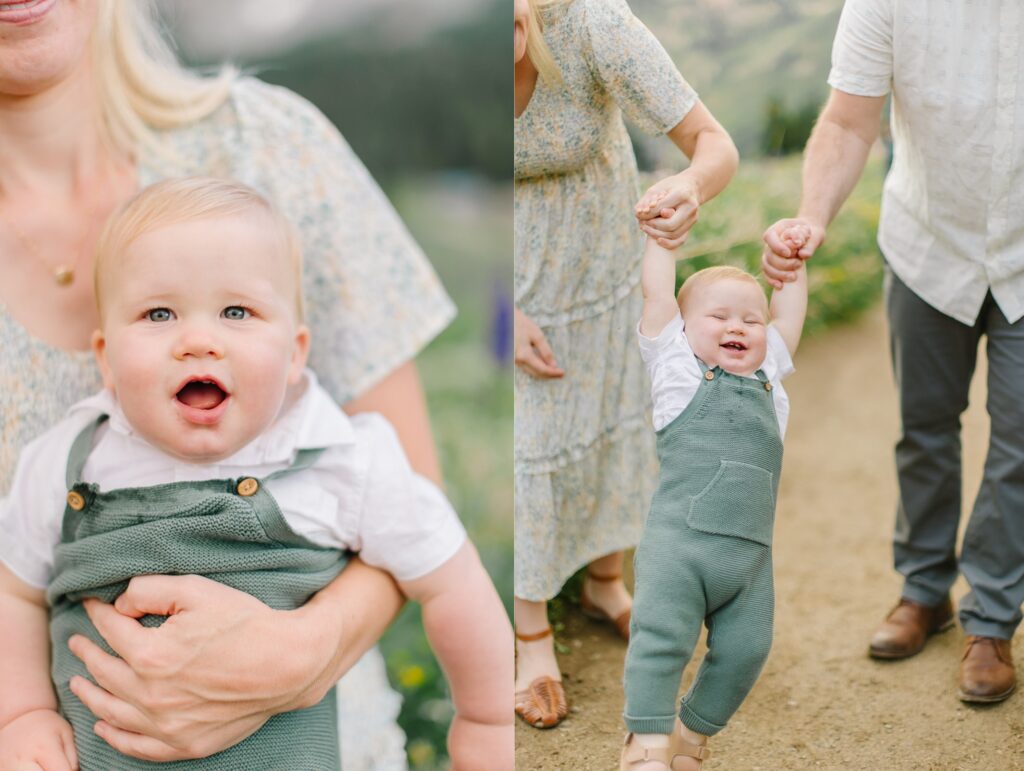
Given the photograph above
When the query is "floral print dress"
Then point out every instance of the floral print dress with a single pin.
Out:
(372, 302)
(585, 464)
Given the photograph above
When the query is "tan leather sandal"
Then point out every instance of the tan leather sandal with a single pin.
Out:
(678, 747)
(590, 610)
(543, 703)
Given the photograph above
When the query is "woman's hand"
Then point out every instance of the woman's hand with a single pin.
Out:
(532, 353)
(669, 209)
(218, 668)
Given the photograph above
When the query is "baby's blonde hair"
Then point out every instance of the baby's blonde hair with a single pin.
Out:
(185, 199)
(714, 274)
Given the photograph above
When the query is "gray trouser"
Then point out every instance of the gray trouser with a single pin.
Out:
(933, 358)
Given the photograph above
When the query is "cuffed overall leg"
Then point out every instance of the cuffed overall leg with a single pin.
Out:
(933, 358)
(739, 640)
(992, 557)
(729, 581)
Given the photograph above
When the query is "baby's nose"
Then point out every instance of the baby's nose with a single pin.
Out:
(199, 342)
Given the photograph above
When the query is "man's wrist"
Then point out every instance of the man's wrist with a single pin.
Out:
(314, 633)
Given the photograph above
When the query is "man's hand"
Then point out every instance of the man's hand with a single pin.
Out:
(210, 676)
(781, 259)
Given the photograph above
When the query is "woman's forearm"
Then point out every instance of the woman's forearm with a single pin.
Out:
(713, 156)
(399, 398)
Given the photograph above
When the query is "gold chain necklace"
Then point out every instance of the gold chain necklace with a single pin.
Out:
(63, 274)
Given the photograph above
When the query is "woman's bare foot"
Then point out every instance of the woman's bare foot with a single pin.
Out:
(534, 658)
(611, 597)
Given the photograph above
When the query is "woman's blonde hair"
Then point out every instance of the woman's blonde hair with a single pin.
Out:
(142, 88)
(186, 199)
(536, 48)
(713, 275)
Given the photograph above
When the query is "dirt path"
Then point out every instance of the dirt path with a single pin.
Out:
(821, 703)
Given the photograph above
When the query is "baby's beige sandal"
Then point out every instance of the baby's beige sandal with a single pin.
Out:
(542, 704)
(672, 757)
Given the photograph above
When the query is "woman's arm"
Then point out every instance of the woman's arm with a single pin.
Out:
(669, 208)
(223, 663)
(399, 398)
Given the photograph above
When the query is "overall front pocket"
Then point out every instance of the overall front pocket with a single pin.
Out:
(739, 501)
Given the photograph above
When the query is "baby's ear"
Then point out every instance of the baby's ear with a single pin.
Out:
(300, 354)
(99, 350)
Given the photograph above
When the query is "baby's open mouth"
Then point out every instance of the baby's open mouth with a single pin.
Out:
(201, 394)
(732, 345)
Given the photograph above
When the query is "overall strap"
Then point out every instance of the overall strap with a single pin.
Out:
(80, 449)
(761, 376)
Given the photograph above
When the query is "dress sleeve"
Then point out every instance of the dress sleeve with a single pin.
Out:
(862, 49)
(633, 67)
(407, 526)
(373, 301)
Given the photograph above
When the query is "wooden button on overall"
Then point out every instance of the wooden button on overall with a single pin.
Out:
(76, 501)
(709, 375)
(248, 487)
(767, 386)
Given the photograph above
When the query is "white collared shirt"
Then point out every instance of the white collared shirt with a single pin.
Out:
(952, 223)
(360, 494)
(676, 375)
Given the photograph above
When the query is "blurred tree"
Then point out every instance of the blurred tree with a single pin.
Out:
(437, 103)
(787, 131)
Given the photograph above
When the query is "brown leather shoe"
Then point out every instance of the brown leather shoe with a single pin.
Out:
(986, 670)
(907, 628)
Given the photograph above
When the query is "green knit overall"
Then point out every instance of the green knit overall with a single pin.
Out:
(705, 557)
(229, 530)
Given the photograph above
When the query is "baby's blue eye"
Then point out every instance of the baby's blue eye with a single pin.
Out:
(160, 314)
(235, 313)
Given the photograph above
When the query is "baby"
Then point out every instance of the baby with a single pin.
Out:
(716, 366)
(213, 451)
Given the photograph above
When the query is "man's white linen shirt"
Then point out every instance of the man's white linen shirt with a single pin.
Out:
(360, 494)
(676, 376)
(952, 223)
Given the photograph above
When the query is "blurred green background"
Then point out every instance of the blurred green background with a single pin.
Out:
(421, 91)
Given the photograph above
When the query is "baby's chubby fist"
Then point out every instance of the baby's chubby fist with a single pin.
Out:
(795, 236)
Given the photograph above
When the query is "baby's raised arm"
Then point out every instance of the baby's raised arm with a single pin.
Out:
(472, 638)
(658, 281)
(789, 304)
(31, 730)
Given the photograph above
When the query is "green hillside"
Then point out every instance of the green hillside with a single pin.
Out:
(739, 54)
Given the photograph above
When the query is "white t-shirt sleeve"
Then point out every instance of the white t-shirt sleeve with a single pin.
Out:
(406, 525)
(673, 369)
(32, 514)
(778, 362)
(862, 52)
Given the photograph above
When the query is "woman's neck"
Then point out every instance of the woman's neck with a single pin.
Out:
(51, 143)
